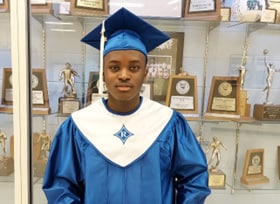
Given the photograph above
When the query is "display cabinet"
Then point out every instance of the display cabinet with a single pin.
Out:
(210, 49)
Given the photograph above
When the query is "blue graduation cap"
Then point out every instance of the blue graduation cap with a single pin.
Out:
(125, 31)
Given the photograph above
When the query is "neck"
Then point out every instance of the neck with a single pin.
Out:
(123, 106)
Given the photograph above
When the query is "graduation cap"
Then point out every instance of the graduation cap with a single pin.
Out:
(125, 31)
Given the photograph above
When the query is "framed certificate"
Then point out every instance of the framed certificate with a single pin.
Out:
(41, 7)
(253, 170)
(4, 5)
(224, 95)
(182, 93)
(164, 61)
(203, 9)
(89, 7)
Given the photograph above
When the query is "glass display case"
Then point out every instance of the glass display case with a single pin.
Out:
(209, 49)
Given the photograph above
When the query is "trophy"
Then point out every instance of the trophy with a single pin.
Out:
(217, 178)
(69, 103)
(267, 110)
(253, 170)
(6, 163)
(41, 144)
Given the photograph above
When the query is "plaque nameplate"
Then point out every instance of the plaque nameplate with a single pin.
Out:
(266, 112)
(89, 7)
(68, 105)
(217, 179)
(203, 9)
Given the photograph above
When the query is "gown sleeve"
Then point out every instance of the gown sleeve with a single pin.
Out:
(63, 182)
(189, 166)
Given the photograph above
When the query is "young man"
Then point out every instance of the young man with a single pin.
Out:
(126, 149)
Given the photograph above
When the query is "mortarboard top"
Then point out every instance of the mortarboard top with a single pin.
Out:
(126, 31)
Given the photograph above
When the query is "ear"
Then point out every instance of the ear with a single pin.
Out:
(146, 71)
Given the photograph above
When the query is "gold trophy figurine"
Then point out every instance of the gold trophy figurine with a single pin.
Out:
(68, 75)
(69, 103)
(217, 179)
(41, 145)
(3, 139)
(6, 163)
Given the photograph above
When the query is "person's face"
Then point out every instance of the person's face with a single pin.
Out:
(124, 73)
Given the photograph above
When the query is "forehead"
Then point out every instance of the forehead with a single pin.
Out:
(130, 55)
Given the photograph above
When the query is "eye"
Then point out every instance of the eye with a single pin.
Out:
(134, 68)
(114, 68)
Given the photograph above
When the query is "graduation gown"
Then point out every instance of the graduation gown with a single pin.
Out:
(148, 156)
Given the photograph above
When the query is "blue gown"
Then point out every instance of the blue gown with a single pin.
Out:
(148, 156)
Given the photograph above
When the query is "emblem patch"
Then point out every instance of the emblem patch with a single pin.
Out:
(123, 134)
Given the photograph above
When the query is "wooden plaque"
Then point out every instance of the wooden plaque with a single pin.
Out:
(41, 7)
(224, 96)
(4, 5)
(89, 7)
(253, 169)
(182, 93)
(203, 10)
(40, 98)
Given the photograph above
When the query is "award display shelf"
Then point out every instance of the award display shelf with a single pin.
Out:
(210, 49)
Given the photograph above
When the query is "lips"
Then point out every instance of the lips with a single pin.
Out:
(124, 87)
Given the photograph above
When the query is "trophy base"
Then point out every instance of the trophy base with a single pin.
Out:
(6, 166)
(39, 167)
(250, 181)
(35, 110)
(217, 179)
(266, 112)
(68, 105)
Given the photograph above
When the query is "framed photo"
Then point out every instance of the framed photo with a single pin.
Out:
(147, 90)
(253, 169)
(92, 86)
(224, 96)
(182, 94)
(203, 9)
(4, 5)
(41, 7)
(89, 7)
(40, 98)
(164, 61)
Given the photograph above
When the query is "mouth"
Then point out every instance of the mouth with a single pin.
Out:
(124, 87)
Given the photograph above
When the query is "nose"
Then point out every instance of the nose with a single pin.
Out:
(124, 74)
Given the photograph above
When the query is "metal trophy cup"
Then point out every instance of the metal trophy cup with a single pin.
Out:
(69, 102)
(6, 163)
(217, 178)
(267, 110)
